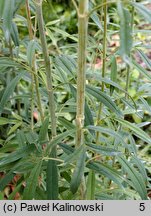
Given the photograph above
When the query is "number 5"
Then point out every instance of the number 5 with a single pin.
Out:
(142, 206)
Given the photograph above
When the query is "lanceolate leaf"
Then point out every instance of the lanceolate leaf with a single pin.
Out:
(14, 128)
(136, 130)
(52, 177)
(18, 3)
(105, 99)
(31, 51)
(2, 8)
(6, 179)
(4, 63)
(104, 150)
(143, 10)
(8, 16)
(59, 138)
(20, 153)
(44, 130)
(31, 182)
(113, 74)
(78, 172)
(94, 16)
(145, 59)
(90, 192)
(14, 34)
(73, 157)
(107, 171)
(141, 69)
(67, 124)
(136, 178)
(4, 121)
(125, 30)
(141, 167)
(9, 90)
(107, 131)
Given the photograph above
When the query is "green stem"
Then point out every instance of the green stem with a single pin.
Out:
(100, 6)
(34, 76)
(47, 66)
(17, 88)
(104, 64)
(81, 77)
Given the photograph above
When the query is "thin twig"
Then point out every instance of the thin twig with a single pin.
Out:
(76, 6)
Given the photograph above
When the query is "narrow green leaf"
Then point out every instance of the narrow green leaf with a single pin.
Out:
(107, 171)
(4, 121)
(73, 156)
(14, 34)
(4, 63)
(145, 59)
(17, 189)
(135, 177)
(141, 167)
(8, 16)
(97, 77)
(59, 138)
(31, 51)
(113, 73)
(21, 138)
(144, 11)
(20, 153)
(1, 196)
(136, 130)
(78, 172)
(52, 177)
(43, 134)
(66, 148)
(125, 31)
(108, 131)
(105, 99)
(9, 90)
(24, 166)
(6, 179)
(63, 33)
(141, 69)
(2, 5)
(104, 150)
(40, 194)
(14, 128)
(90, 192)
(31, 137)
(31, 182)
(18, 4)
(94, 16)
(64, 122)
(88, 116)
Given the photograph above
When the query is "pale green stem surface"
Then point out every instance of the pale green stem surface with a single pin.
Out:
(103, 65)
(47, 66)
(81, 78)
(34, 75)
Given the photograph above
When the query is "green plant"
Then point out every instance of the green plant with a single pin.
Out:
(74, 108)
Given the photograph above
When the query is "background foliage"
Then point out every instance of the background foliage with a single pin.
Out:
(114, 160)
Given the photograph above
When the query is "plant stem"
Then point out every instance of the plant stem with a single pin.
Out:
(75, 5)
(47, 66)
(81, 77)
(104, 64)
(100, 6)
(34, 76)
